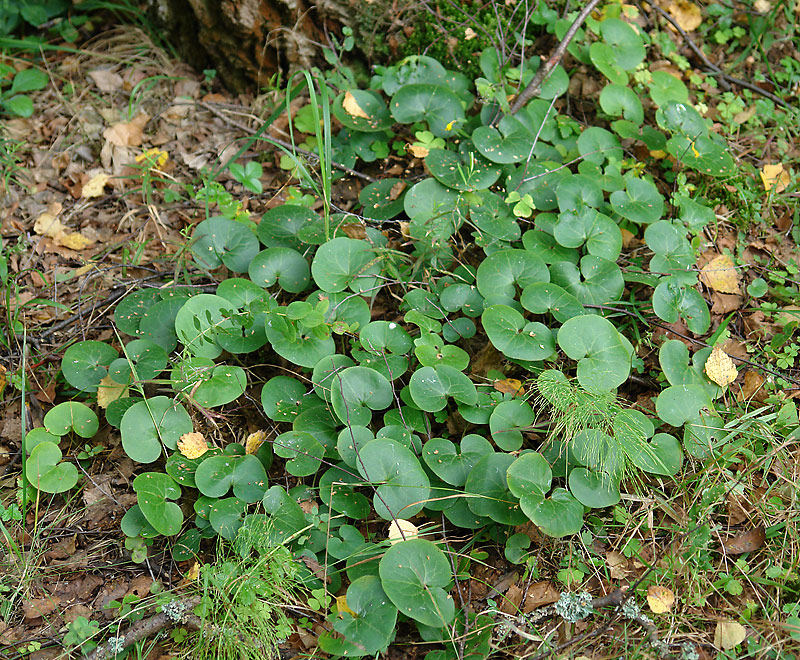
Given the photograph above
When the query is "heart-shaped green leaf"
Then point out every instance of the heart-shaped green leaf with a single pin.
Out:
(71, 415)
(44, 471)
(153, 492)
(603, 354)
(151, 422)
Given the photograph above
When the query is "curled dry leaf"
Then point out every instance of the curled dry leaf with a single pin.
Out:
(129, 134)
(351, 106)
(402, 530)
(192, 445)
(745, 542)
(617, 565)
(728, 635)
(660, 599)
(720, 368)
(254, 441)
(721, 275)
(752, 387)
(775, 176)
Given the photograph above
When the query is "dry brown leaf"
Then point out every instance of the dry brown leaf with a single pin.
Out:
(254, 442)
(95, 186)
(402, 530)
(721, 275)
(753, 384)
(617, 564)
(469, 34)
(352, 108)
(127, 135)
(745, 542)
(109, 390)
(724, 303)
(660, 599)
(418, 151)
(397, 190)
(720, 368)
(775, 176)
(106, 80)
(744, 115)
(686, 14)
(510, 386)
(192, 445)
(354, 230)
(729, 634)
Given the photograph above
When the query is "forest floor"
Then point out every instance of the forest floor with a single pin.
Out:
(103, 185)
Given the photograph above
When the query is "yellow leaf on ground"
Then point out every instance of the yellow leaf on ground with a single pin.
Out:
(469, 34)
(154, 157)
(686, 14)
(660, 599)
(728, 635)
(510, 386)
(775, 176)
(48, 224)
(720, 368)
(418, 151)
(109, 390)
(254, 441)
(94, 187)
(192, 445)
(194, 572)
(341, 606)
(73, 240)
(351, 106)
(721, 275)
(402, 530)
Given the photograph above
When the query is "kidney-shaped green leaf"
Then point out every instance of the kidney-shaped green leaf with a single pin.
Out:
(604, 356)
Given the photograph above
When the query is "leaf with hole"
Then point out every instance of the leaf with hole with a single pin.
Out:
(640, 202)
(71, 415)
(453, 466)
(673, 300)
(414, 575)
(284, 266)
(367, 626)
(507, 422)
(151, 422)
(215, 476)
(402, 485)
(598, 281)
(345, 263)
(603, 354)
(154, 490)
(221, 241)
(586, 225)
(430, 388)
(45, 471)
(546, 297)
(515, 337)
(85, 364)
(466, 171)
(434, 104)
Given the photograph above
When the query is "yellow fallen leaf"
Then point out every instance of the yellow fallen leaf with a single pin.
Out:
(192, 445)
(109, 390)
(48, 224)
(721, 275)
(660, 599)
(469, 34)
(341, 606)
(154, 157)
(254, 441)
(402, 530)
(762, 6)
(720, 368)
(95, 186)
(73, 240)
(194, 572)
(775, 176)
(729, 634)
(3, 380)
(686, 14)
(510, 386)
(351, 106)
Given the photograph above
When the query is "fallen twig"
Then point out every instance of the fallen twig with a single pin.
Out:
(535, 85)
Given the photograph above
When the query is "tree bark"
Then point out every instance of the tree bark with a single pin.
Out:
(248, 41)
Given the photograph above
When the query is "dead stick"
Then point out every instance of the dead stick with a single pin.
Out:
(535, 85)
